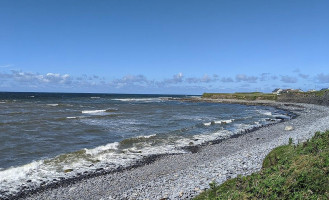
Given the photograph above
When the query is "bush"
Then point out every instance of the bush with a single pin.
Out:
(288, 172)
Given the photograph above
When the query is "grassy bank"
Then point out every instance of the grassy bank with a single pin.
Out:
(242, 96)
(288, 172)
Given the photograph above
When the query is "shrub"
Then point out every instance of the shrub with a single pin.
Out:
(288, 172)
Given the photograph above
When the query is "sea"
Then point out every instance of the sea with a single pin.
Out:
(49, 137)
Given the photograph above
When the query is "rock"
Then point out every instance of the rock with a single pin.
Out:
(289, 128)
(68, 170)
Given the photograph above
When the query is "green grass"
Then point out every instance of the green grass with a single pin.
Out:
(241, 96)
(319, 93)
(288, 172)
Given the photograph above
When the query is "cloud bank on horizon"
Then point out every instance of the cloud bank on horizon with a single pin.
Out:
(177, 84)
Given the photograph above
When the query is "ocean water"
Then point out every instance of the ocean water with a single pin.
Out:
(45, 137)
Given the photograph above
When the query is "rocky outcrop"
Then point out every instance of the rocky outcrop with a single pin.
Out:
(306, 97)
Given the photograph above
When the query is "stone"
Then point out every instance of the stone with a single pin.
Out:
(68, 170)
(289, 128)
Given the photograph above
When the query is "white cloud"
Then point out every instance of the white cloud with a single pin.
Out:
(245, 78)
(226, 80)
(177, 78)
(38, 78)
(56, 78)
(130, 80)
(267, 77)
(289, 79)
(204, 79)
(301, 75)
(34, 79)
(322, 78)
(304, 76)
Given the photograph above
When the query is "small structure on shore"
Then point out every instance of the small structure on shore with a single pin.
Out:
(291, 90)
(277, 91)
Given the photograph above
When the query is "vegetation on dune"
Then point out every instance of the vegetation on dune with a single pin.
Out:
(288, 172)
(306, 97)
(241, 96)
(316, 93)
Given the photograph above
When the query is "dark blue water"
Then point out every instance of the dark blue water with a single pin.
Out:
(44, 136)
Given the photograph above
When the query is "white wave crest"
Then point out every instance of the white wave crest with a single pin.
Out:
(141, 99)
(71, 117)
(207, 123)
(52, 104)
(103, 148)
(10, 179)
(218, 122)
(147, 136)
(92, 111)
(99, 112)
(224, 121)
(201, 138)
(264, 112)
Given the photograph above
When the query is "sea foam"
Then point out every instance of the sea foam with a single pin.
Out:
(52, 104)
(218, 122)
(141, 99)
(92, 111)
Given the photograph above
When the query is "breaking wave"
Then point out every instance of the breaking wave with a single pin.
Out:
(218, 122)
(158, 99)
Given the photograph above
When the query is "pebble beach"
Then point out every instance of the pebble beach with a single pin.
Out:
(184, 176)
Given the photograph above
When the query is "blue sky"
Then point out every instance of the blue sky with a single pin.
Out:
(163, 46)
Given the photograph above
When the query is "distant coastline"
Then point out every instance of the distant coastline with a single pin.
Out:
(320, 97)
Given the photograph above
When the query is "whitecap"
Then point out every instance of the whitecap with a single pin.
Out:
(103, 148)
(207, 123)
(71, 117)
(52, 104)
(159, 99)
(201, 138)
(218, 122)
(264, 112)
(224, 121)
(93, 111)
(147, 136)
